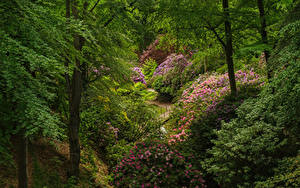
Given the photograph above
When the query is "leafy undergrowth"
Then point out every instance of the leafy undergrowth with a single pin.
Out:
(48, 167)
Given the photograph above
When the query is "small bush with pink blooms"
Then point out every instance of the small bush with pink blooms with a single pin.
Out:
(155, 164)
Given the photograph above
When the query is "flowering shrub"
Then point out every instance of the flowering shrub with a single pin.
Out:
(156, 165)
(167, 78)
(205, 94)
(201, 129)
(138, 76)
(210, 91)
(170, 63)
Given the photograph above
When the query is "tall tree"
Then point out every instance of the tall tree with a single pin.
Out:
(228, 47)
(22, 159)
(75, 89)
(97, 44)
(263, 33)
(192, 20)
(30, 66)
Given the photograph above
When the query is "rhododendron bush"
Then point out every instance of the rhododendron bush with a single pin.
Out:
(156, 165)
(170, 63)
(138, 76)
(205, 94)
(167, 77)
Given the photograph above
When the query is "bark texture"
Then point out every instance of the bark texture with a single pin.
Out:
(263, 32)
(74, 106)
(229, 49)
(22, 159)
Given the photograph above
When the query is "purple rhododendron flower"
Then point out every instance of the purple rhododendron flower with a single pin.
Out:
(171, 62)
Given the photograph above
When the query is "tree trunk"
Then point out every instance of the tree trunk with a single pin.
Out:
(229, 49)
(263, 32)
(22, 159)
(68, 5)
(74, 108)
(67, 77)
(205, 67)
(74, 102)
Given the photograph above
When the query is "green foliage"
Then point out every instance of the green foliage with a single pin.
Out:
(111, 122)
(117, 151)
(208, 59)
(149, 67)
(30, 68)
(43, 178)
(158, 83)
(286, 174)
(140, 90)
(6, 157)
(287, 48)
(159, 86)
(249, 147)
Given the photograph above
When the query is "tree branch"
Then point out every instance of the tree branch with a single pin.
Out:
(108, 21)
(215, 32)
(91, 10)
(124, 8)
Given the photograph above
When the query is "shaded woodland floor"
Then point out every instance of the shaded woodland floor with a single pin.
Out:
(48, 164)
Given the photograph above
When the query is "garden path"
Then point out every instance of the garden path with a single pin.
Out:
(165, 106)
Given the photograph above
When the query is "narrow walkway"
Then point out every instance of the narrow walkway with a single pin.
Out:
(166, 107)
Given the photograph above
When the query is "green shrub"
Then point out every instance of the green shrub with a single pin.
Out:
(110, 122)
(140, 90)
(117, 151)
(42, 177)
(149, 68)
(249, 147)
(287, 174)
(254, 148)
